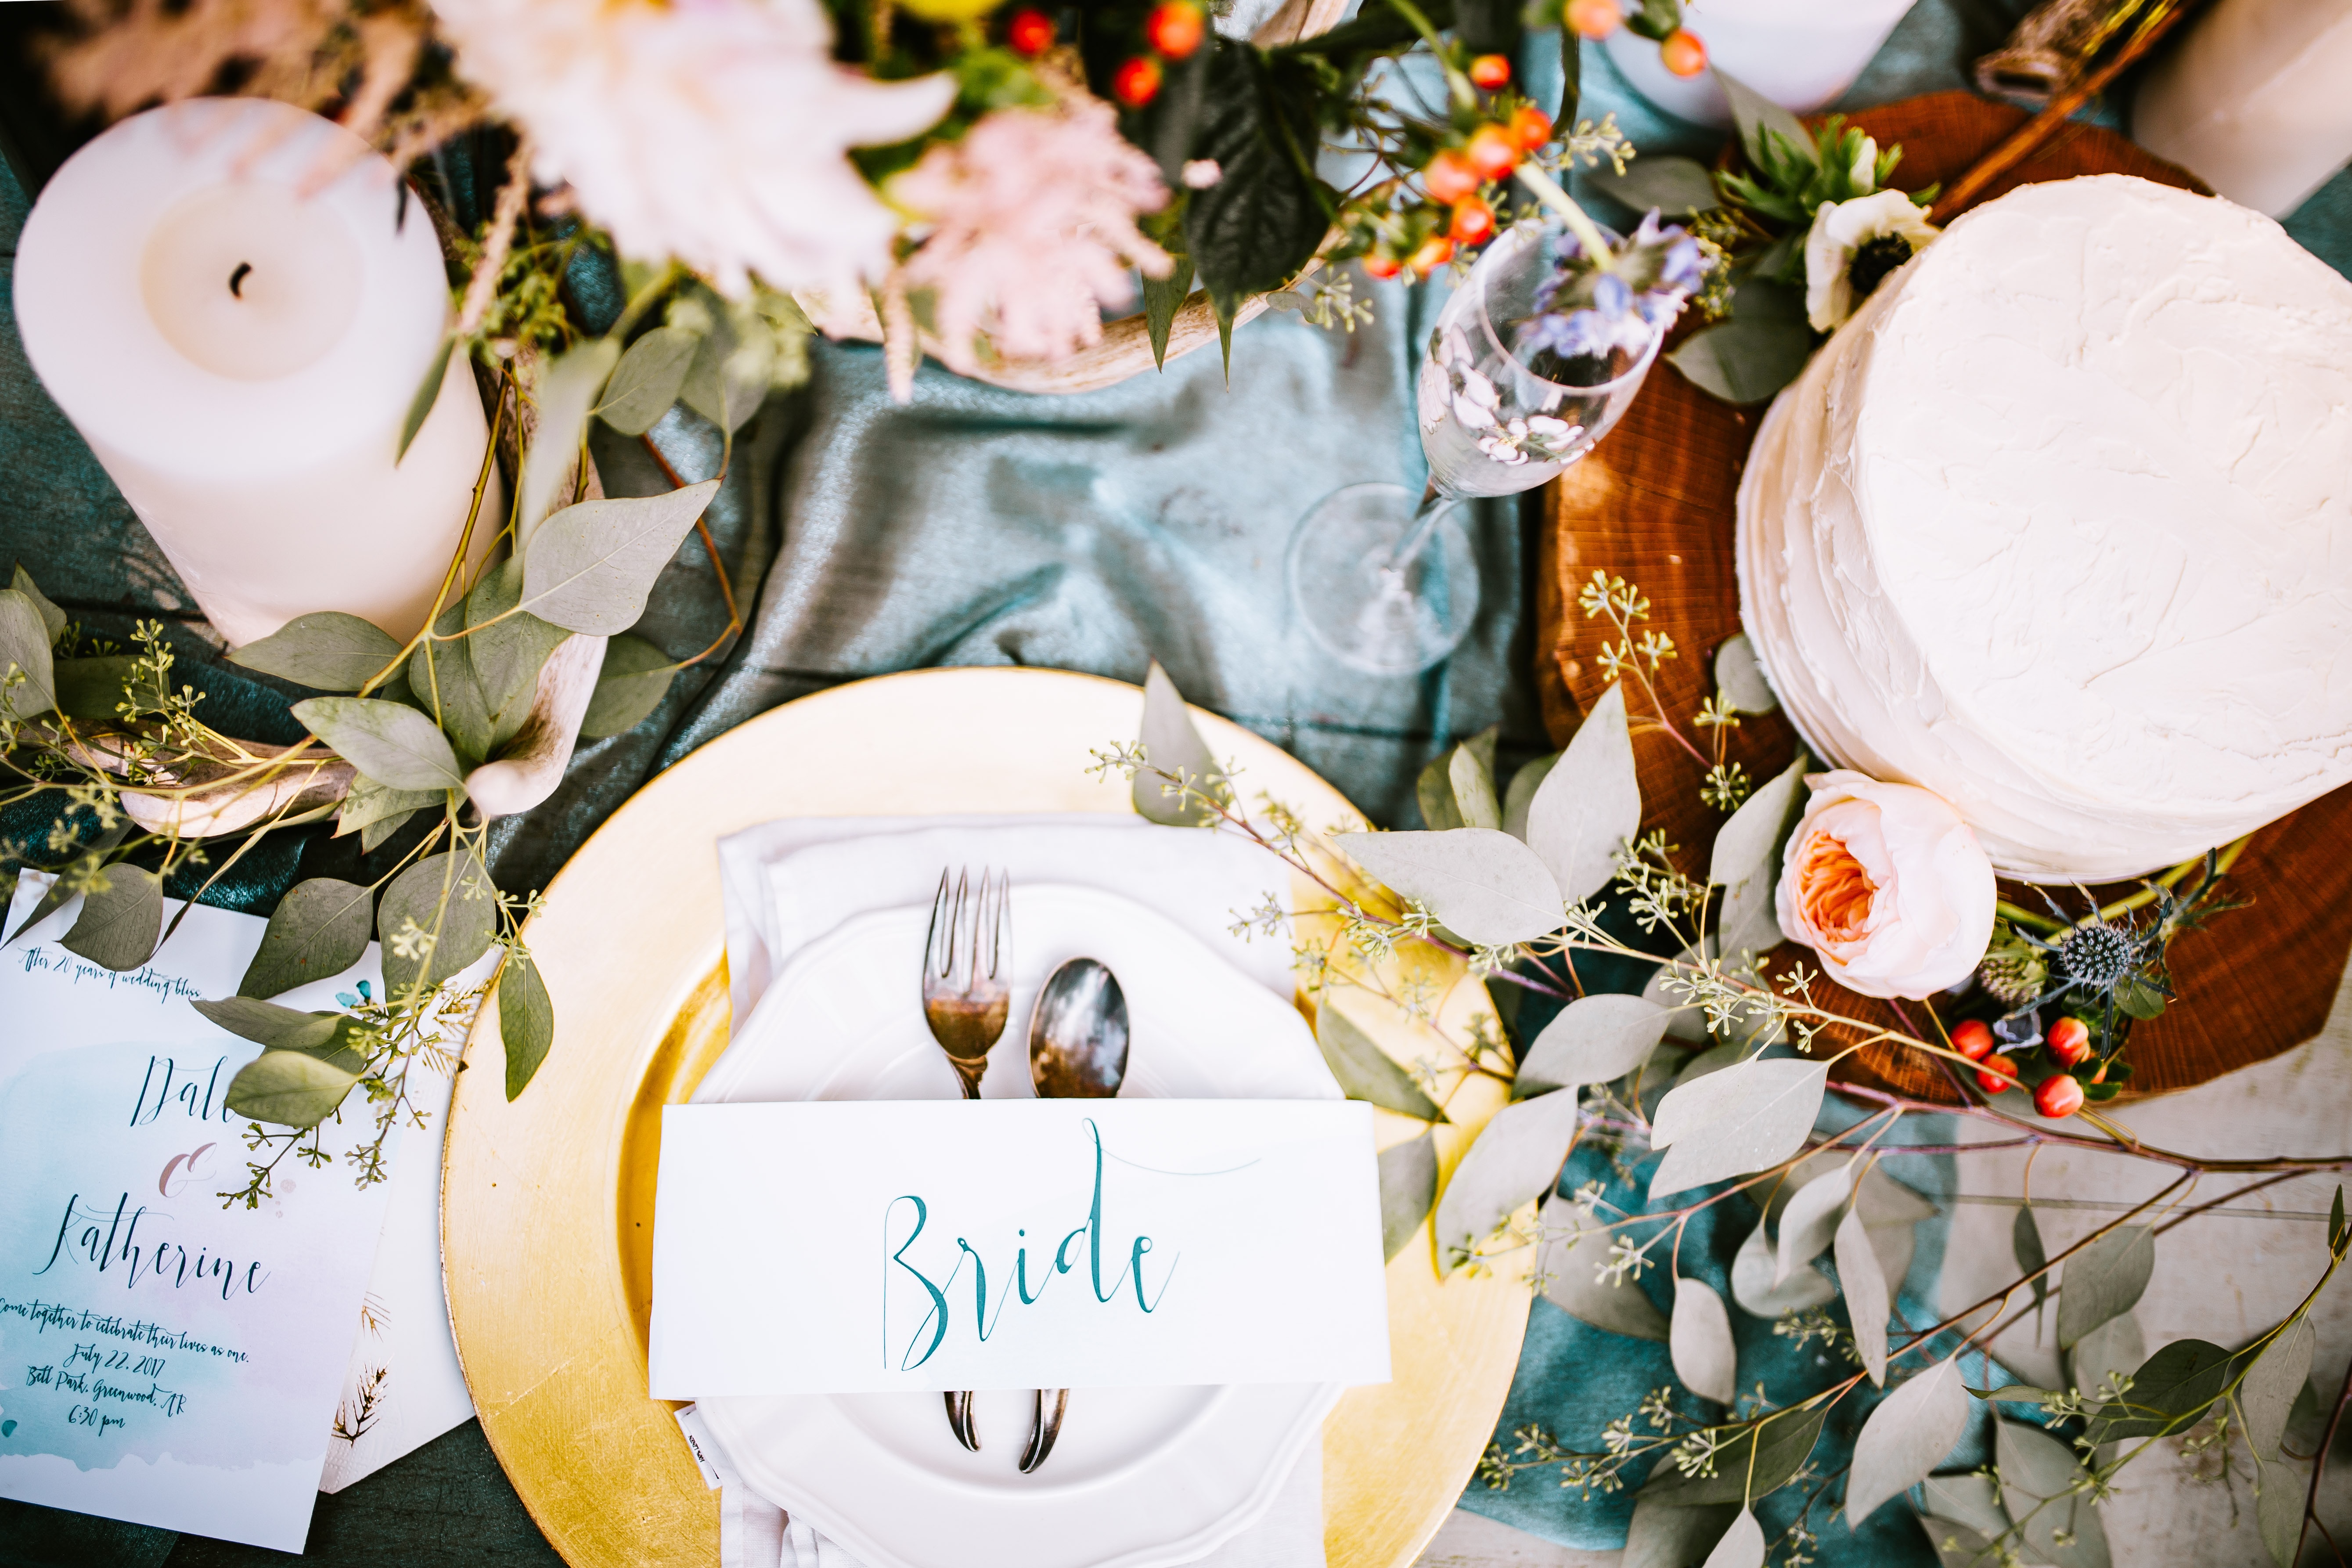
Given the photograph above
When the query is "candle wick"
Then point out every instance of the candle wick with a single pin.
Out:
(236, 278)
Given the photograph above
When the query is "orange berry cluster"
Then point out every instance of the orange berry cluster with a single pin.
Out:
(2058, 1096)
(1456, 174)
(1173, 31)
(1679, 51)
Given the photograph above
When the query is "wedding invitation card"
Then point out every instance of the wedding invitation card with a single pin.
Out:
(164, 1358)
(889, 1246)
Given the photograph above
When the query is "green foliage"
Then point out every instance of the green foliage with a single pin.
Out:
(318, 930)
(53, 620)
(121, 920)
(1174, 748)
(2104, 1278)
(389, 742)
(1777, 1448)
(326, 650)
(435, 918)
(1252, 230)
(1163, 297)
(290, 1089)
(648, 379)
(1517, 1158)
(591, 567)
(1366, 1072)
(1761, 348)
(428, 392)
(27, 687)
(526, 1018)
(1408, 1189)
(636, 676)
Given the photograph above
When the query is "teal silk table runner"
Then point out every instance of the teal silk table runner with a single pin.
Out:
(975, 526)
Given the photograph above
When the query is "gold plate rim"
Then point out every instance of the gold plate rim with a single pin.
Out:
(544, 1199)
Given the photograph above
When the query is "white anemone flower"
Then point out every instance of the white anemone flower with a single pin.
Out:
(714, 132)
(1841, 232)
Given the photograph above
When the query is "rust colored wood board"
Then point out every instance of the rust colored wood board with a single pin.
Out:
(1655, 504)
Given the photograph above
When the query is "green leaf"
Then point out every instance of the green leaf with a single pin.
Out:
(2170, 1393)
(120, 921)
(1957, 1545)
(1520, 797)
(2336, 1231)
(1746, 862)
(648, 379)
(526, 1018)
(1674, 186)
(2103, 1280)
(1742, 1545)
(1252, 230)
(2035, 1468)
(1173, 745)
(1779, 1448)
(373, 835)
(589, 566)
(1971, 1499)
(2268, 1394)
(565, 395)
(95, 688)
(61, 891)
(1470, 775)
(1768, 133)
(389, 742)
(1408, 1189)
(1662, 1536)
(1517, 1157)
(2025, 1244)
(437, 917)
(1906, 1437)
(732, 367)
(2115, 1349)
(269, 1024)
(1755, 1283)
(1365, 1071)
(1699, 1343)
(1569, 1261)
(442, 687)
(2281, 1493)
(428, 393)
(326, 650)
(634, 678)
(2019, 1393)
(1761, 348)
(1810, 1219)
(370, 802)
(289, 1088)
(53, 620)
(1594, 1039)
(1867, 1298)
(1752, 1116)
(1479, 882)
(2137, 998)
(25, 647)
(507, 654)
(1739, 676)
(1163, 297)
(1590, 804)
(1571, 92)
(320, 929)
(1434, 792)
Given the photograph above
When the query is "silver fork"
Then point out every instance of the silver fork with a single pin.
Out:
(967, 997)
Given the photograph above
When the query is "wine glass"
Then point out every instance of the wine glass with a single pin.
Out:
(1389, 588)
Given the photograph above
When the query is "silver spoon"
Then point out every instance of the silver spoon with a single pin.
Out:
(1077, 1050)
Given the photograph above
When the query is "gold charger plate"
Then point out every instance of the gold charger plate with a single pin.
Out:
(547, 1203)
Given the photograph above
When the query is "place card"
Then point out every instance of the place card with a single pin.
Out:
(892, 1246)
(164, 1359)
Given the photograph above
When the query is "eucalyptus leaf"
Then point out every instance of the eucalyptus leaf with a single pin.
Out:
(1594, 1039)
(1883, 1200)
(2271, 1385)
(2105, 1277)
(320, 929)
(435, 918)
(565, 395)
(1472, 781)
(289, 1088)
(1365, 1071)
(268, 1024)
(1569, 1261)
(1479, 882)
(1521, 795)
(389, 742)
(1662, 1536)
(1761, 348)
(28, 686)
(1174, 746)
(634, 679)
(2337, 1234)
(1754, 1115)
(2036, 1467)
(1905, 1437)
(420, 401)
(1969, 1499)
(95, 688)
(2171, 1392)
(589, 566)
(1518, 1156)
(1957, 1545)
(61, 889)
(1408, 1190)
(1811, 1219)
(1701, 1344)
(2025, 1244)
(120, 921)
(2115, 1346)
(377, 833)
(1762, 122)
(732, 368)
(53, 620)
(648, 379)
(1590, 804)
(1756, 1287)
(1867, 1301)
(326, 650)
(526, 1017)
(1684, 1019)
(2281, 1493)
(507, 650)
(1742, 1545)
(370, 802)
(442, 687)
(1674, 186)
(1739, 676)
(1432, 790)
(1777, 1448)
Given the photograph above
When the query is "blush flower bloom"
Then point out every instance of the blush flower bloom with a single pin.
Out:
(1028, 229)
(711, 131)
(1887, 885)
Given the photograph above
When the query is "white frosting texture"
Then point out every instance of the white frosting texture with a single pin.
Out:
(2059, 526)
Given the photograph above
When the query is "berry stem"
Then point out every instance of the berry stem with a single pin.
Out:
(1588, 234)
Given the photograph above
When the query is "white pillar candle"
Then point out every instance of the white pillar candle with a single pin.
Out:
(2256, 100)
(240, 345)
(1801, 54)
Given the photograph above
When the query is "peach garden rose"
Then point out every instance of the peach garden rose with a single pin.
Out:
(1887, 885)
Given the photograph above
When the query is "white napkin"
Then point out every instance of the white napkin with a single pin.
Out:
(786, 883)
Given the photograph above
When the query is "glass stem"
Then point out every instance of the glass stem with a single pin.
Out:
(1433, 501)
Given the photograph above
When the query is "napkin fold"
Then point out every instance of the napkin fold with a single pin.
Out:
(788, 882)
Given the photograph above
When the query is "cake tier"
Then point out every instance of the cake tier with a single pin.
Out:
(2060, 526)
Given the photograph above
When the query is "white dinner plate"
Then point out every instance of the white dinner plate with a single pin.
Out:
(1140, 1477)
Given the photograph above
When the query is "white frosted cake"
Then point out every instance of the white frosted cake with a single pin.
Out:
(2060, 526)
